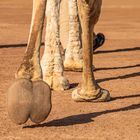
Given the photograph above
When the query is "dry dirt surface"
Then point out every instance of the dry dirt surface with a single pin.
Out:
(118, 70)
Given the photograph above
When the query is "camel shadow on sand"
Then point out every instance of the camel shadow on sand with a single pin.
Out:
(117, 68)
(87, 118)
(15, 45)
(135, 74)
(117, 50)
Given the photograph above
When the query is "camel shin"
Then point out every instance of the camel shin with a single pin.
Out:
(52, 63)
(30, 66)
(89, 86)
(88, 82)
(73, 55)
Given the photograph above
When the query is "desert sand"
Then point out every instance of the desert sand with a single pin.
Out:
(117, 69)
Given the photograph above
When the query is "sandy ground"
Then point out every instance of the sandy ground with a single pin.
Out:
(118, 70)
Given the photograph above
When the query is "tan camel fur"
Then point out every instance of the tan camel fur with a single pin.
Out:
(30, 96)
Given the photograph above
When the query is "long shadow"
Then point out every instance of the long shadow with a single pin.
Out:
(116, 68)
(82, 118)
(117, 50)
(125, 97)
(15, 45)
(96, 52)
(119, 77)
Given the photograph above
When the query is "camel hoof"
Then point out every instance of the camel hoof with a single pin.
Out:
(60, 83)
(28, 99)
(103, 96)
(19, 100)
(76, 96)
(41, 103)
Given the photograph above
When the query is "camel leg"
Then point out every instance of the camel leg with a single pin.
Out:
(90, 90)
(73, 54)
(29, 96)
(52, 63)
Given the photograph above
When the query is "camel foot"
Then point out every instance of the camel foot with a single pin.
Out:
(60, 83)
(102, 96)
(27, 99)
(76, 69)
(71, 65)
(57, 82)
